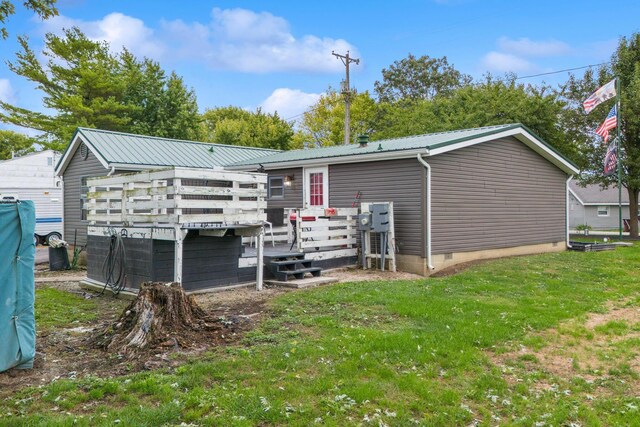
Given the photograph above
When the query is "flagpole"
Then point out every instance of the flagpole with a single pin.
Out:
(619, 123)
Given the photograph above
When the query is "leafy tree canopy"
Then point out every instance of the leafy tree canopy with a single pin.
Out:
(45, 9)
(13, 143)
(492, 102)
(419, 78)
(323, 124)
(236, 126)
(84, 84)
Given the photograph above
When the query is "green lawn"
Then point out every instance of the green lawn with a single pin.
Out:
(57, 308)
(392, 353)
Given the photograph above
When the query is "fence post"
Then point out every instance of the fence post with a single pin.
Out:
(259, 258)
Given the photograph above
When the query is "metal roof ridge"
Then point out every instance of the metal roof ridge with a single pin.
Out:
(379, 141)
(182, 141)
(448, 131)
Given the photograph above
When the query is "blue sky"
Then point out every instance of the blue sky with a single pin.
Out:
(277, 55)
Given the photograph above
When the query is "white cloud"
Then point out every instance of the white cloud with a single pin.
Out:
(232, 39)
(117, 29)
(6, 92)
(526, 47)
(289, 102)
(243, 40)
(505, 62)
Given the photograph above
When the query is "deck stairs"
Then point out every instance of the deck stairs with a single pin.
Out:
(291, 265)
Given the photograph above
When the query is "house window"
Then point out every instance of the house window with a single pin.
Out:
(276, 187)
(603, 210)
(83, 198)
(49, 161)
(317, 187)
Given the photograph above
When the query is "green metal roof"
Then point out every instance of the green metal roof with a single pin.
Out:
(129, 149)
(427, 141)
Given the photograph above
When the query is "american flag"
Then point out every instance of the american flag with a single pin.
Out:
(607, 91)
(611, 159)
(609, 123)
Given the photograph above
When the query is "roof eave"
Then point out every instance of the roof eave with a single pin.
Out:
(575, 195)
(359, 158)
(71, 150)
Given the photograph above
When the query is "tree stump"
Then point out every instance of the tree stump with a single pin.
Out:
(161, 315)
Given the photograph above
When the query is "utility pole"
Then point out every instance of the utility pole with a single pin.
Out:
(346, 91)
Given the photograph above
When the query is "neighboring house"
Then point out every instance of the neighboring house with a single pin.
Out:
(93, 153)
(458, 196)
(32, 177)
(596, 207)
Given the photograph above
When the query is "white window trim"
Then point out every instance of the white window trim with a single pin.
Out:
(598, 210)
(325, 185)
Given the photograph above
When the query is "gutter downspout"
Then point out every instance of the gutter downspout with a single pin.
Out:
(428, 168)
(567, 210)
(111, 172)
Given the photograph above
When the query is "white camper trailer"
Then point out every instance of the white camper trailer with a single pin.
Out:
(32, 177)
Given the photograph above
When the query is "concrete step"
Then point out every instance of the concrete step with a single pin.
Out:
(308, 282)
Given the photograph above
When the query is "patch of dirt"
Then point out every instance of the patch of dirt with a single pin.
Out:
(354, 274)
(458, 268)
(578, 350)
(71, 352)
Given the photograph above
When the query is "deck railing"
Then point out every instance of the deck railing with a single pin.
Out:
(332, 229)
(187, 197)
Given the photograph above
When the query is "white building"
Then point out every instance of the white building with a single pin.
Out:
(32, 177)
(596, 207)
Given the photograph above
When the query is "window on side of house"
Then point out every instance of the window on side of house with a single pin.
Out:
(83, 198)
(603, 210)
(276, 187)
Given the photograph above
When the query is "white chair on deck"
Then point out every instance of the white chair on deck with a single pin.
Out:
(273, 241)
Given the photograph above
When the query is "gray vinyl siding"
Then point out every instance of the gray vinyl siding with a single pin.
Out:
(497, 194)
(398, 181)
(292, 195)
(76, 170)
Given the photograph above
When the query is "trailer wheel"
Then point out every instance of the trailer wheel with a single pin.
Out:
(51, 236)
(36, 239)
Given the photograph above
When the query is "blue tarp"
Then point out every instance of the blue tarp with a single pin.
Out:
(17, 256)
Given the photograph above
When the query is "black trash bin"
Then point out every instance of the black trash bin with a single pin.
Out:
(58, 259)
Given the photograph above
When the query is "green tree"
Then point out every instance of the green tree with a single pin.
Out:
(492, 102)
(13, 143)
(163, 106)
(235, 126)
(579, 126)
(45, 9)
(84, 84)
(419, 78)
(323, 124)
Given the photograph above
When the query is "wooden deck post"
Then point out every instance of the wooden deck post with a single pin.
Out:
(178, 256)
(260, 258)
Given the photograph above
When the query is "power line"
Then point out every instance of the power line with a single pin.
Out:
(560, 71)
(497, 80)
